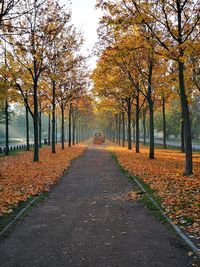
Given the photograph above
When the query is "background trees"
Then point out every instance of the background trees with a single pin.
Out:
(159, 37)
(43, 63)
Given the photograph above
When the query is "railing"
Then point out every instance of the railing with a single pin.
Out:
(22, 146)
(14, 148)
(177, 140)
(159, 142)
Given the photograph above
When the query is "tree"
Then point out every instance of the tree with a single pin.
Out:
(30, 49)
(179, 20)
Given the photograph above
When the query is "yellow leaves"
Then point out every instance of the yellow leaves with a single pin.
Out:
(131, 196)
(21, 178)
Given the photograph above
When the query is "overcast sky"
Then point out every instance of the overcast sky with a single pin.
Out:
(85, 17)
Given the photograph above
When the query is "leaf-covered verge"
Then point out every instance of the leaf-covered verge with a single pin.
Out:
(180, 195)
(20, 178)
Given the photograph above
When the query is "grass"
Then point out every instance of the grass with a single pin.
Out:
(12, 153)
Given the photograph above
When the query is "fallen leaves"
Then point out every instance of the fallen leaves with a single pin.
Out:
(131, 196)
(21, 178)
(180, 195)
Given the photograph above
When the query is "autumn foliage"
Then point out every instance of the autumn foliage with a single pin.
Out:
(180, 195)
(20, 178)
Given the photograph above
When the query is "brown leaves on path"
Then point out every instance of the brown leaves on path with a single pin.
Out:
(180, 195)
(21, 178)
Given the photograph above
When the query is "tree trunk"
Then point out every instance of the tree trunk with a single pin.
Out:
(151, 112)
(186, 121)
(123, 129)
(113, 136)
(129, 125)
(35, 122)
(133, 126)
(57, 129)
(53, 143)
(119, 128)
(184, 101)
(151, 115)
(79, 130)
(164, 123)
(77, 133)
(82, 133)
(116, 129)
(27, 129)
(70, 124)
(40, 128)
(144, 126)
(137, 125)
(62, 126)
(49, 130)
(182, 136)
(7, 127)
(74, 128)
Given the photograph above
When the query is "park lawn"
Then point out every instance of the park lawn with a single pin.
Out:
(21, 178)
(180, 195)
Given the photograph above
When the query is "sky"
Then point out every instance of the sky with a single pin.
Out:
(85, 17)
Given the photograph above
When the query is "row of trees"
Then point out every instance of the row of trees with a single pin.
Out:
(41, 66)
(149, 55)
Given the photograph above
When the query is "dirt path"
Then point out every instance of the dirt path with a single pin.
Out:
(86, 223)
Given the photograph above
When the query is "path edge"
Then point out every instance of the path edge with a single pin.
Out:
(19, 215)
(35, 199)
(177, 229)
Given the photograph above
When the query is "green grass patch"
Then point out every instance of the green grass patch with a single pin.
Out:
(11, 153)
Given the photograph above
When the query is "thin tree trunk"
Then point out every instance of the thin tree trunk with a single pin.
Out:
(116, 128)
(144, 126)
(110, 131)
(119, 128)
(79, 130)
(35, 122)
(27, 130)
(123, 129)
(73, 129)
(182, 136)
(40, 129)
(70, 124)
(57, 128)
(49, 130)
(133, 127)
(164, 123)
(77, 133)
(151, 112)
(129, 125)
(84, 132)
(62, 126)
(137, 120)
(113, 136)
(7, 127)
(53, 144)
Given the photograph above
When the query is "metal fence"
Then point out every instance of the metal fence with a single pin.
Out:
(15, 148)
